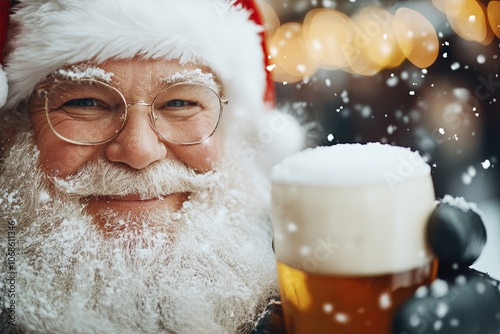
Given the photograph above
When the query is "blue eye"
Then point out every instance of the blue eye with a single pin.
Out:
(177, 103)
(81, 103)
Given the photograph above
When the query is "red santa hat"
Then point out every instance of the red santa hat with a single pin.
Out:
(50, 34)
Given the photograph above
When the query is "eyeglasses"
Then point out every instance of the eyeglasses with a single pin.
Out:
(91, 112)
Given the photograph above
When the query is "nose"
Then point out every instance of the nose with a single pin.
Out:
(138, 145)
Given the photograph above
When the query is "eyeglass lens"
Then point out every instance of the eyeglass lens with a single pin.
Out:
(90, 112)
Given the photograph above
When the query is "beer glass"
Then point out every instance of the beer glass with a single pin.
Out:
(349, 235)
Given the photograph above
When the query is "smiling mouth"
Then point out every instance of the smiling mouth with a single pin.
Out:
(130, 198)
(135, 202)
(129, 202)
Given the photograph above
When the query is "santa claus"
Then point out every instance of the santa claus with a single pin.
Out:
(134, 186)
(136, 139)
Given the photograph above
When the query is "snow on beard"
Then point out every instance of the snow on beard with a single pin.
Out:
(208, 268)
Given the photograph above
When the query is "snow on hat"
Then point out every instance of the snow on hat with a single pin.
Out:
(50, 34)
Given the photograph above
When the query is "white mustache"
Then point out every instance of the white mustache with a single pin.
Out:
(103, 178)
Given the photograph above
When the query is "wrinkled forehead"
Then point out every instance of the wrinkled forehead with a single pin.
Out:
(130, 73)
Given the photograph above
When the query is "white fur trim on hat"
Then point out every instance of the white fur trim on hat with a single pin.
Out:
(213, 33)
(3, 87)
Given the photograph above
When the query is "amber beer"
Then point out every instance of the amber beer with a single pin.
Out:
(349, 235)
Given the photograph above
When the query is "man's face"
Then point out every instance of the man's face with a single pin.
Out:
(136, 148)
(211, 257)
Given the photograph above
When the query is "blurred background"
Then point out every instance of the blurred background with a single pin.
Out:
(420, 74)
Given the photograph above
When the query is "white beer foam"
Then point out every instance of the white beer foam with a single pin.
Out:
(356, 209)
(347, 164)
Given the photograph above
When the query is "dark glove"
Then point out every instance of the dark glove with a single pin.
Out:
(272, 321)
(461, 300)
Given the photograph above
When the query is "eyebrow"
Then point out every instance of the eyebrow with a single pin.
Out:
(94, 72)
(193, 76)
(85, 72)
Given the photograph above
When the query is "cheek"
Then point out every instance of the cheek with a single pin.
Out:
(58, 158)
(200, 157)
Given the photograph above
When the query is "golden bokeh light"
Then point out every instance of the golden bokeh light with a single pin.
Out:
(328, 35)
(489, 32)
(493, 11)
(440, 4)
(271, 20)
(417, 37)
(462, 13)
(290, 58)
(363, 66)
(371, 39)
(380, 47)
(467, 19)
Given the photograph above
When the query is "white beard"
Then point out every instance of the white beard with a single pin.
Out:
(207, 269)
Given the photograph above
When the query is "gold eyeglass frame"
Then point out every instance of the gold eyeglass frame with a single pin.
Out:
(43, 93)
